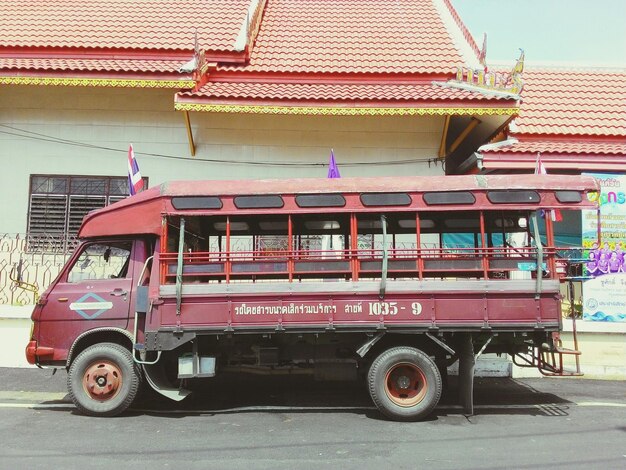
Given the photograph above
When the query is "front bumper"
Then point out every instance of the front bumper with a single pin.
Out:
(34, 352)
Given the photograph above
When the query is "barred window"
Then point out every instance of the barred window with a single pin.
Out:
(58, 203)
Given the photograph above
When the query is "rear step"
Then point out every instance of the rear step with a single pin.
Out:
(549, 360)
(554, 359)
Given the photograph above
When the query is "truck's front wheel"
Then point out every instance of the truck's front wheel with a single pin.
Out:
(404, 383)
(103, 380)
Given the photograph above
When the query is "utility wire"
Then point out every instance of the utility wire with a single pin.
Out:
(48, 138)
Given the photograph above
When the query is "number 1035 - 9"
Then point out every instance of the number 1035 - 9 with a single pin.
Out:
(391, 308)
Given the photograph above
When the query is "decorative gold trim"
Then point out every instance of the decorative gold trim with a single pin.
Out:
(504, 82)
(97, 82)
(306, 110)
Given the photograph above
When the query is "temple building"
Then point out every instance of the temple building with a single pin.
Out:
(270, 89)
(242, 89)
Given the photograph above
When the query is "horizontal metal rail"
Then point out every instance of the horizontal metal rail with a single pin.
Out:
(486, 263)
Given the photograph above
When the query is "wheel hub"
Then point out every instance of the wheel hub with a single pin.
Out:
(102, 380)
(403, 382)
(406, 384)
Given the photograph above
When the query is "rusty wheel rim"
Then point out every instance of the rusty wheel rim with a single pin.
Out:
(405, 384)
(102, 380)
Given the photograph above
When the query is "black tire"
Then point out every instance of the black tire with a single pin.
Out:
(404, 384)
(103, 380)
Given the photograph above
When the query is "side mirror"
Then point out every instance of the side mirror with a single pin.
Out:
(16, 273)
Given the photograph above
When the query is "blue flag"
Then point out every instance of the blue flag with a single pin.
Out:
(333, 171)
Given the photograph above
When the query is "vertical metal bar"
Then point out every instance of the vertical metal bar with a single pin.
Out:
(163, 249)
(227, 262)
(528, 235)
(539, 258)
(550, 243)
(420, 258)
(179, 268)
(290, 262)
(354, 246)
(383, 273)
(570, 288)
(485, 261)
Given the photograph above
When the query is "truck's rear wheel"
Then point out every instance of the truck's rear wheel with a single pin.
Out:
(103, 380)
(404, 383)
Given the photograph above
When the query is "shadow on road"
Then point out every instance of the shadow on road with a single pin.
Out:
(230, 395)
(301, 394)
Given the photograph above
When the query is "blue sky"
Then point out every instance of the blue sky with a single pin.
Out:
(585, 32)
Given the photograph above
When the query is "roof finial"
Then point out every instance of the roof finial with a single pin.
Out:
(519, 65)
(192, 65)
(482, 56)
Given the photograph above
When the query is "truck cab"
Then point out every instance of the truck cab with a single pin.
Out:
(91, 301)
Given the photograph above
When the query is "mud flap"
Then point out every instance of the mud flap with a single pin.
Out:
(466, 374)
(155, 376)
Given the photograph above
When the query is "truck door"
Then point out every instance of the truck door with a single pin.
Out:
(96, 289)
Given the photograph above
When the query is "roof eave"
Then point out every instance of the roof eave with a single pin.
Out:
(231, 57)
(494, 160)
(170, 80)
(345, 108)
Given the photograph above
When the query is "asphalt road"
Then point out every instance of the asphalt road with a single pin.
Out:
(293, 423)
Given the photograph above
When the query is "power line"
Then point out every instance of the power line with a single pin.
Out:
(48, 138)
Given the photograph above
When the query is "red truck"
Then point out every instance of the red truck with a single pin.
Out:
(389, 279)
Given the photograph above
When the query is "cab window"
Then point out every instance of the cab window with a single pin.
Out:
(101, 261)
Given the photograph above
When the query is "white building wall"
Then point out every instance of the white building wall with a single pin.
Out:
(104, 121)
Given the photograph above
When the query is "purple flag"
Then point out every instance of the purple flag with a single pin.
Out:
(333, 171)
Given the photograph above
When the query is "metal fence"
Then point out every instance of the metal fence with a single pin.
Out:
(34, 260)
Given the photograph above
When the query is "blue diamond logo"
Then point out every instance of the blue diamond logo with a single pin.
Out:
(91, 306)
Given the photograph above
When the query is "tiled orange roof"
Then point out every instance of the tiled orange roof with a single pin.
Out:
(565, 102)
(303, 42)
(121, 24)
(348, 53)
(576, 119)
(330, 92)
(352, 36)
(569, 147)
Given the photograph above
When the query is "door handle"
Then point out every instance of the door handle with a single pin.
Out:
(118, 292)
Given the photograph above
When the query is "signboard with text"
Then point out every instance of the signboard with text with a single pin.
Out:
(605, 295)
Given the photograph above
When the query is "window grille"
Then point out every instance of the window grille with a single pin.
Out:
(58, 203)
